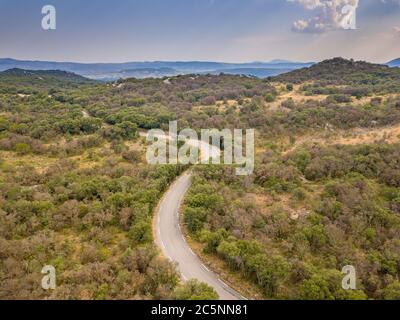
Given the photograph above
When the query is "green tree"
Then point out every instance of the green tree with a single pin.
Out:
(195, 218)
(272, 274)
(4, 124)
(392, 291)
(141, 232)
(129, 129)
(231, 253)
(195, 290)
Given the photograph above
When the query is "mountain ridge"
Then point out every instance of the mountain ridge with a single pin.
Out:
(394, 63)
(157, 69)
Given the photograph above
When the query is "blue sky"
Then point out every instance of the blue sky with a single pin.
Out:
(218, 30)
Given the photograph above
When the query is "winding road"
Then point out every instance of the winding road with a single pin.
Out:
(169, 236)
(171, 240)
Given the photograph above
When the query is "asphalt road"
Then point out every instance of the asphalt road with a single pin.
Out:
(171, 240)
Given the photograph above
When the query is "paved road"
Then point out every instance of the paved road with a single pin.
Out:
(207, 151)
(172, 242)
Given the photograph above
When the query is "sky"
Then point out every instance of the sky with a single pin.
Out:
(203, 30)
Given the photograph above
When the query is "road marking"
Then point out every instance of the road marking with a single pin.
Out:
(223, 283)
(204, 267)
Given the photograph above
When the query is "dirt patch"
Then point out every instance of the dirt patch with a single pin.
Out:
(296, 95)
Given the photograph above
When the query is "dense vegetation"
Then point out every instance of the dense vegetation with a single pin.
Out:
(324, 208)
(310, 209)
(75, 191)
(339, 71)
(77, 197)
(344, 79)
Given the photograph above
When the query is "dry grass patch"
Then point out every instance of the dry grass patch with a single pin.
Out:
(38, 162)
(349, 137)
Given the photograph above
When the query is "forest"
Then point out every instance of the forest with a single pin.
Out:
(77, 193)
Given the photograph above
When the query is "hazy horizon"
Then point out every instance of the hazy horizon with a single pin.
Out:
(164, 61)
(231, 31)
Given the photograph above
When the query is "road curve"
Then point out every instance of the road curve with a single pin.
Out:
(170, 239)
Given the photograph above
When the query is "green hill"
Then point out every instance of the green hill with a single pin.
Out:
(13, 80)
(339, 71)
(341, 76)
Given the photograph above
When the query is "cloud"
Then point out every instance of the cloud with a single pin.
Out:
(329, 15)
(396, 31)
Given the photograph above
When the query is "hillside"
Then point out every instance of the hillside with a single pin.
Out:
(18, 79)
(341, 76)
(45, 75)
(340, 71)
(76, 191)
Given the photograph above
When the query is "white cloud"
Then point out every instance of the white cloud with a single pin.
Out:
(309, 4)
(329, 15)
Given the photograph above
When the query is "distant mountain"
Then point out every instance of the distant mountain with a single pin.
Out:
(26, 81)
(280, 61)
(42, 74)
(155, 69)
(142, 73)
(255, 72)
(394, 63)
(341, 71)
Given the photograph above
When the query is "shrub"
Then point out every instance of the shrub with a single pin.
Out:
(141, 232)
(132, 156)
(23, 148)
(269, 97)
(195, 290)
